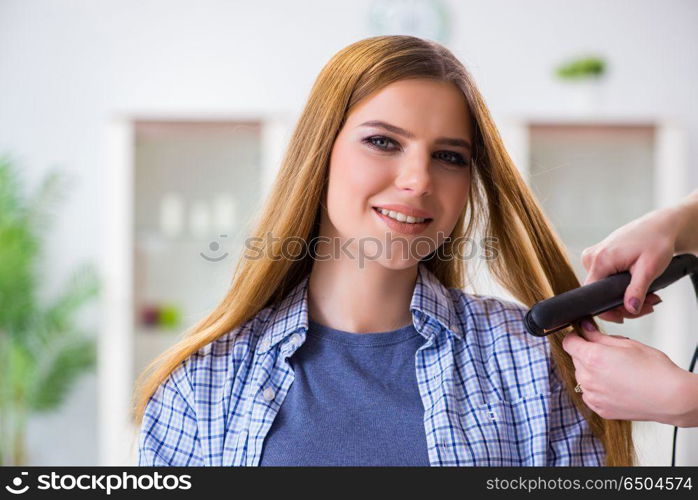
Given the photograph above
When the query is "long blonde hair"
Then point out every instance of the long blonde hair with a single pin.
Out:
(531, 264)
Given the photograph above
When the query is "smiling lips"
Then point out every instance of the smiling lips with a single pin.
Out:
(410, 224)
(406, 210)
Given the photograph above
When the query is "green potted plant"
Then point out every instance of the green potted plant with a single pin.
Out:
(42, 349)
(583, 77)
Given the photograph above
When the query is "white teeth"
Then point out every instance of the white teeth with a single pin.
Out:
(400, 216)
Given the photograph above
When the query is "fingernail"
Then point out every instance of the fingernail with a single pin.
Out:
(635, 304)
(586, 324)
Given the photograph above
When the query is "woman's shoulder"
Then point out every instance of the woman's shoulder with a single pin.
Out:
(232, 347)
(488, 303)
(495, 319)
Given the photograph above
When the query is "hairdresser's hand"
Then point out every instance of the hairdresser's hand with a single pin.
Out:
(644, 247)
(623, 379)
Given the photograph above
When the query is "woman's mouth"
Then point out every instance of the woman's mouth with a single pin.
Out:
(400, 222)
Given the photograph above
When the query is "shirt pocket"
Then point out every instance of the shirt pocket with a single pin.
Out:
(507, 433)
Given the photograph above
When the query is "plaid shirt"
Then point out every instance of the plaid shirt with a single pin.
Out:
(491, 395)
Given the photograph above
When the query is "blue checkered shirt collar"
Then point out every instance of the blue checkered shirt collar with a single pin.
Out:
(430, 299)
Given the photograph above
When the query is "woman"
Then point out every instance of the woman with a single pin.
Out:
(371, 357)
(627, 379)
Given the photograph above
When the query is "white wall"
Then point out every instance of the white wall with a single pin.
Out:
(67, 67)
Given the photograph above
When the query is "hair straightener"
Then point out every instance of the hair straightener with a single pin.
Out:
(563, 310)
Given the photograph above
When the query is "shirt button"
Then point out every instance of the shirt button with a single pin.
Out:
(265, 343)
(269, 394)
(295, 339)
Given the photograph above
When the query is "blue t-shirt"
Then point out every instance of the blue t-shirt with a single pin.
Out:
(354, 401)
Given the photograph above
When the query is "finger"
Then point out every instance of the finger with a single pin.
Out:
(595, 336)
(573, 344)
(590, 332)
(618, 314)
(587, 257)
(580, 374)
(577, 362)
(615, 315)
(578, 348)
(644, 310)
(643, 272)
(602, 265)
(619, 336)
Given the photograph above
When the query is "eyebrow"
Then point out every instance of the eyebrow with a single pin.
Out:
(448, 141)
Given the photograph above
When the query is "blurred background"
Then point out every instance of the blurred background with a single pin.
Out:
(139, 139)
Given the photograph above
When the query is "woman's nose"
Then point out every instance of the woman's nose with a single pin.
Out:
(415, 174)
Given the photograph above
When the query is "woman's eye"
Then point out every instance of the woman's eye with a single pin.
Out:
(376, 140)
(454, 158)
(381, 142)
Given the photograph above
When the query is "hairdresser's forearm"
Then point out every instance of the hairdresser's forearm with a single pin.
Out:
(687, 214)
(687, 415)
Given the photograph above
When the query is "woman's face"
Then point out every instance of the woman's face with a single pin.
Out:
(407, 146)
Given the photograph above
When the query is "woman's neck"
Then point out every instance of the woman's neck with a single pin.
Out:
(360, 299)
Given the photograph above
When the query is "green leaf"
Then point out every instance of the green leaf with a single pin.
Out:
(82, 286)
(71, 360)
(21, 363)
(18, 252)
(582, 68)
